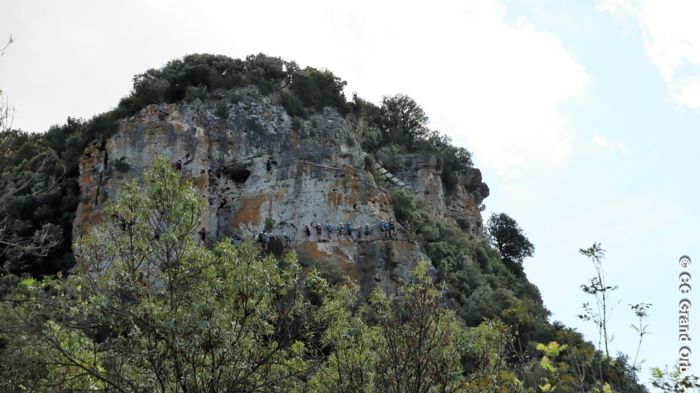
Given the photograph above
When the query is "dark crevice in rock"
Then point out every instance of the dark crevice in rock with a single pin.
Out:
(238, 175)
(105, 160)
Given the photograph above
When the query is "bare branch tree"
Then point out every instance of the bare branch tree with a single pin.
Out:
(7, 111)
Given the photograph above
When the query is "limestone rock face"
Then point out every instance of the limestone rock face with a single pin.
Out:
(253, 163)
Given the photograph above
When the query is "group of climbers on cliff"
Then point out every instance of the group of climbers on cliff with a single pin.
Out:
(388, 230)
(343, 231)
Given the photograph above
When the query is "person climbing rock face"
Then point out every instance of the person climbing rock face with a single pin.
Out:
(203, 234)
(266, 241)
(307, 230)
(268, 165)
(178, 165)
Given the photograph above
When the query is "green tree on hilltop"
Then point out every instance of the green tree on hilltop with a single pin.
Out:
(509, 239)
(403, 121)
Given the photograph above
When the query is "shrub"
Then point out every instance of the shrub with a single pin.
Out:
(318, 89)
(292, 105)
(221, 110)
(269, 224)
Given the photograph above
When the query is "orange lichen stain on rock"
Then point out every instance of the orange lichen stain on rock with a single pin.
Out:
(179, 127)
(171, 109)
(347, 266)
(149, 136)
(400, 248)
(95, 218)
(468, 203)
(310, 252)
(152, 110)
(249, 212)
(202, 183)
(85, 179)
(335, 199)
(349, 180)
(87, 217)
(351, 200)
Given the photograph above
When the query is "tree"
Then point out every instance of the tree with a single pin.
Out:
(28, 183)
(599, 289)
(149, 309)
(32, 177)
(350, 367)
(489, 346)
(617, 373)
(420, 340)
(674, 381)
(403, 121)
(506, 235)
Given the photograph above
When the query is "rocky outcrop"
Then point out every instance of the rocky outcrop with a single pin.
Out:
(254, 164)
(421, 174)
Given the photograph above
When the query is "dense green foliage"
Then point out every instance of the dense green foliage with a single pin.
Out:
(508, 238)
(399, 126)
(151, 310)
(31, 229)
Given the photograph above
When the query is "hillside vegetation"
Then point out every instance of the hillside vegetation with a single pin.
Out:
(226, 319)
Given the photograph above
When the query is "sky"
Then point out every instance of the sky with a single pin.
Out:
(583, 115)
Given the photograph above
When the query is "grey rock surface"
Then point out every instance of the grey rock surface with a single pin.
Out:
(317, 174)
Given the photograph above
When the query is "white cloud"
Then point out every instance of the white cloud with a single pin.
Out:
(496, 86)
(611, 6)
(607, 143)
(671, 42)
(672, 37)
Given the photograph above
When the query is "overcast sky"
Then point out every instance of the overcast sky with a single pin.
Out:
(583, 115)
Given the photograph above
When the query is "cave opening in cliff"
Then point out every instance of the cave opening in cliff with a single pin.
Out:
(239, 175)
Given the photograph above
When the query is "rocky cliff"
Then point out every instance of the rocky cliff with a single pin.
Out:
(254, 164)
